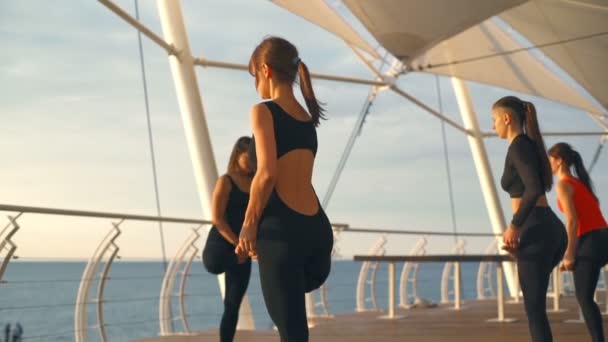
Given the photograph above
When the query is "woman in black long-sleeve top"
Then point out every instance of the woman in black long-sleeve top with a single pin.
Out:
(535, 235)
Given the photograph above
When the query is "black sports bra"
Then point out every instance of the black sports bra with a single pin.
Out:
(289, 133)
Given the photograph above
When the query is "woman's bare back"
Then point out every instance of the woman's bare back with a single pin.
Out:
(294, 176)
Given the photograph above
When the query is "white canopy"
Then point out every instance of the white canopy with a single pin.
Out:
(409, 28)
(582, 26)
(462, 38)
(320, 14)
(519, 71)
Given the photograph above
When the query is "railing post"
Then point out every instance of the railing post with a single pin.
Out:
(102, 282)
(182, 288)
(391, 290)
(448, 275)
(7, 241)
(391, 293)
(485, 287)
(500, 297)
(165, 310)
(457, 293)
(556, 291)
(410, 275)
(517, 296)
(376, 249)
(86, 281)
(605, 275)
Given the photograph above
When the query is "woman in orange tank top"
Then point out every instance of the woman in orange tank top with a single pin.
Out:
(587, 231)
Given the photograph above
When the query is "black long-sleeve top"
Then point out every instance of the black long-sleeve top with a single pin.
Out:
(522, 177)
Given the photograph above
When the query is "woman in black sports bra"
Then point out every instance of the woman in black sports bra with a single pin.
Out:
(535, 235)
(230, 199)
(285, 225)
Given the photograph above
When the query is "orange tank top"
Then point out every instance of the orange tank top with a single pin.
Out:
(587, 207)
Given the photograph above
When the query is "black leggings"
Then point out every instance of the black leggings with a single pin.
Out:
(591, 256)
(219, 257)
(294, 256)
(542, 245)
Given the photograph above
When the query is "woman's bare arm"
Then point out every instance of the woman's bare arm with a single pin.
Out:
(565, 196)
(265, 177)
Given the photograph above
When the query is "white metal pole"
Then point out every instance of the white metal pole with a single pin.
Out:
(500, 295)
(139, 26)
(457, 290)
(391, 290)
(391, 293)
(604, 273)
(310, 309)
(557, 290)
(193, 117)
(480, 157)
(517, 288)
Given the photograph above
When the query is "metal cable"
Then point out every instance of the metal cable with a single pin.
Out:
(417, 232)
(57, 334)
(446, 157)
(51, 281)
(355, 133)
(510, 52)
(596, 156)
(150, 137)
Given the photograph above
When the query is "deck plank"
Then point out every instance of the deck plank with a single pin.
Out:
(421, 325)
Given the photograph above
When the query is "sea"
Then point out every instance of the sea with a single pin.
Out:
(41, 296)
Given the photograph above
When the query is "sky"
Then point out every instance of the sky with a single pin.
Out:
(74, 135)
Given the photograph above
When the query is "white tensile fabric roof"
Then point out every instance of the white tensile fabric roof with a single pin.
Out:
(463, 39)
(409, 28)
(586, 60)
(520, 71)
(320, 14)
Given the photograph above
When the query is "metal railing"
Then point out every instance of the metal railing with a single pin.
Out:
(173, 297)
(457, 259)
(105, 254)
(98, 268)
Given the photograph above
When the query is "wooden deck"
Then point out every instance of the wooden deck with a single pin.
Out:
(442, 323)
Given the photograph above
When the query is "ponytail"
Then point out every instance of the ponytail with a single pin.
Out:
(525, 113)
(314, 107)
(282, 56)
(532, 129)
(571, 158)
(581, 172)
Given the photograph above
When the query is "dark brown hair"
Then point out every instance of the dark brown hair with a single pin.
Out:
(241, 145)
(525, 114)
(282, 57)
(571, 157)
